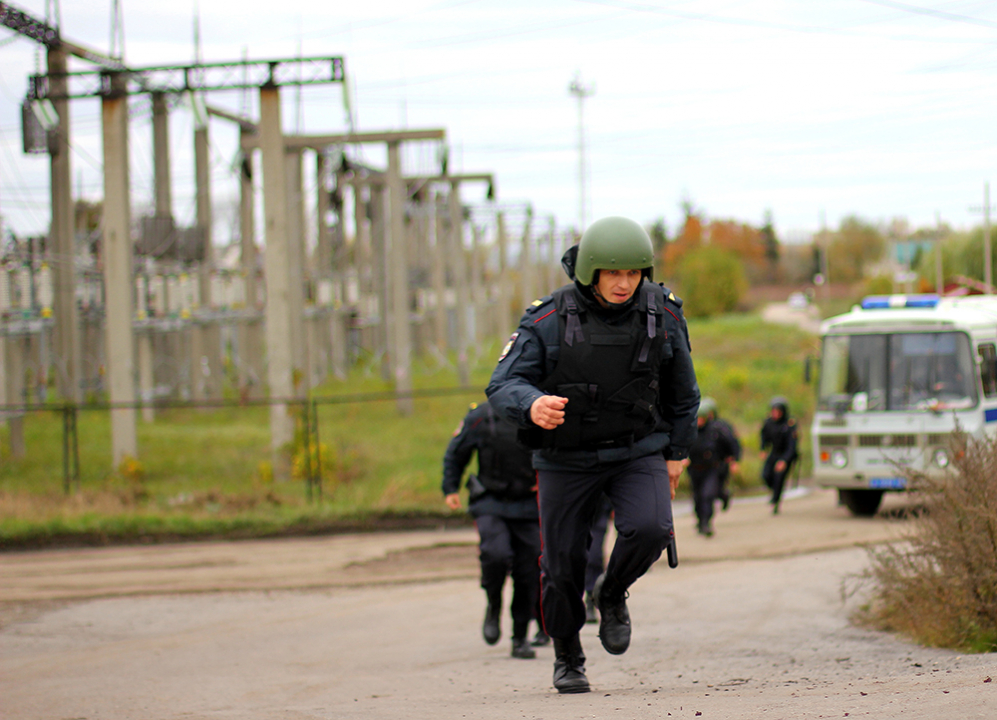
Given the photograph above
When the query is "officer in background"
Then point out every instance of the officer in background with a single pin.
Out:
(713, 455)
(600, 378)
(779, 435)
(502, 498)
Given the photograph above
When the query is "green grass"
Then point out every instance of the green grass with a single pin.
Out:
(742, 362)
(208, 472)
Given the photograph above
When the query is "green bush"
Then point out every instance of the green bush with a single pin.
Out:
(879, 285)
(940, 586)
(713, 282)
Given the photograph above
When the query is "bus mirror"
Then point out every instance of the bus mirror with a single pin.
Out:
(807, 372)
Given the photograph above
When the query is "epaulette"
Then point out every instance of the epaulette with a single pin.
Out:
(474, 406)
(671, 297)
(537, 305)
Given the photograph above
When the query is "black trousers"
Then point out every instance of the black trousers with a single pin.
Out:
(641, 499)
(775, 481)
(510, 547)
(706, 486)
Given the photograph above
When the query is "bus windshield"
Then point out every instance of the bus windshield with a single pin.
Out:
(901, 371)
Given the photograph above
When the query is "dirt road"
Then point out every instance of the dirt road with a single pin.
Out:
(751, 625)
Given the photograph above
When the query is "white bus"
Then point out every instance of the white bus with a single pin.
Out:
(898, 373)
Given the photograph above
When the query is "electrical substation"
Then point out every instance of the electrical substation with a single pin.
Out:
(140, 311)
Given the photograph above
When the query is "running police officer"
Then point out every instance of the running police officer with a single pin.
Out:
(779, 434)
(502, 498)
(712, 456)
(599, 376)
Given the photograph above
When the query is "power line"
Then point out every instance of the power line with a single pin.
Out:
(931, 12)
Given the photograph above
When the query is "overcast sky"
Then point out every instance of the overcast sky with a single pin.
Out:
(804, 108)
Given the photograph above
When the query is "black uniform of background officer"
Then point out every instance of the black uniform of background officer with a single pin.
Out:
(779, 434)
(715, 451)
(600, 377)
(502, 498)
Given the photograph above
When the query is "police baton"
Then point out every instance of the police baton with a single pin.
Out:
(673, 553)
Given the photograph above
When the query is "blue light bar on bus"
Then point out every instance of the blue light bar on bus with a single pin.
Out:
(885, 302)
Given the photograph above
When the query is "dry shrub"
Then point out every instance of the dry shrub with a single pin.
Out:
(940, 586)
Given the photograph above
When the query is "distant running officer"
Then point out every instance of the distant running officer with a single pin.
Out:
(713, 455)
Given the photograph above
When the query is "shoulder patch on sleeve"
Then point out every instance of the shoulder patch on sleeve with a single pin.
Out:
(460, 426)
(508, 346)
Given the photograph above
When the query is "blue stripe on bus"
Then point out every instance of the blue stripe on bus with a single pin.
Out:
(990, 415)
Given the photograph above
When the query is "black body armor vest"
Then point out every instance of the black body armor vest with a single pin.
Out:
(505, 467)
(609, 373)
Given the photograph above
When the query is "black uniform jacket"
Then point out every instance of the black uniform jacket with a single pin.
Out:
(531, 356)
(715, 444)
(780, 435)
(474, 434)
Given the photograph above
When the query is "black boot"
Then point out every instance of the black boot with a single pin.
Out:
(490, 628)
(521, 649)
(569, 666)
(541, 639)
(614, 626)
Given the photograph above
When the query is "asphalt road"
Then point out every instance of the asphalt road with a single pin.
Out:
(753, 624)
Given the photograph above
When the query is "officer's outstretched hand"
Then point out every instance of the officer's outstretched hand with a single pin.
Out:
(452, 500)
(547, 411)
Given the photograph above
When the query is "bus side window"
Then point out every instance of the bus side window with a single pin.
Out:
(988, 369)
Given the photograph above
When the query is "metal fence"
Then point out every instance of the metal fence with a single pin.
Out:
(307, 407)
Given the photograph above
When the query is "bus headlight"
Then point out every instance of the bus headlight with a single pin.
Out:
(941, 458)
(839, 458)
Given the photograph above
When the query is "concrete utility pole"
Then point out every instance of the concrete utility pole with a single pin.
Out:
(988, 267)
(824, 249)
(205, 340)
(401, 346)
(161, 155)
(460, 280)
(988, 263)
(939, 278)
(65, 315)
(439, 275)
(295, 268)
(527, 269)
(250, 341)
(504, 317)
(116, 251)
(278, 309)
(164, 213)
(581, 92)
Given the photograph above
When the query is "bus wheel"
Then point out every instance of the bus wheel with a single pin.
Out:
(861, 503)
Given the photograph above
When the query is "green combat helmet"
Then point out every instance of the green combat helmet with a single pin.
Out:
(706, 406)
(613, 243)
